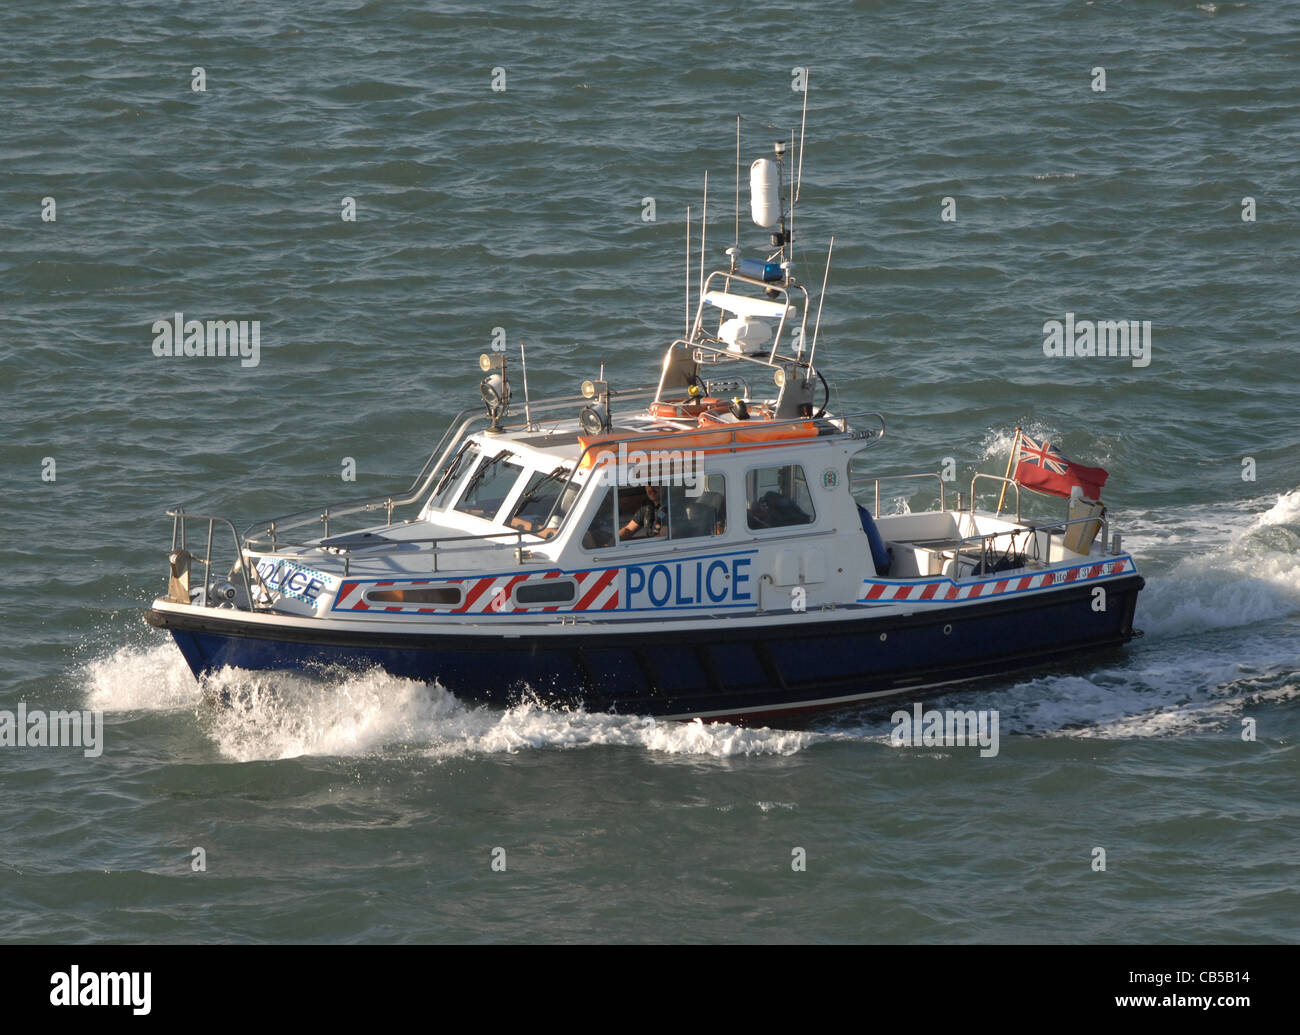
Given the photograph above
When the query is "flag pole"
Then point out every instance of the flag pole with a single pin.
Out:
(1015, 444)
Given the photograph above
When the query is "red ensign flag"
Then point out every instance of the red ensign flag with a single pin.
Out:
(1044, 469)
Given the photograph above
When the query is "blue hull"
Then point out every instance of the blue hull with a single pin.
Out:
(727, 670)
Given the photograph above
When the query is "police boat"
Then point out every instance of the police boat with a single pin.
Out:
(711, 545)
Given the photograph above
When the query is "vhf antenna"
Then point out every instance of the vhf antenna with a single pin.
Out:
(780, 236)
(688, 272)
(704, 226)
(803, 122)
(734, 250)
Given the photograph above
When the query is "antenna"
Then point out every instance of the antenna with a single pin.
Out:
(791, 207)
(736, 242)
(820, 300)
(781, 235)
(807, 71)
(704, 225)
(523, 362)
(688, 272)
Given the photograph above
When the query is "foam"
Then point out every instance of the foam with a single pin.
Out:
(1286, 511)
(1252, 575)
(275, 715)
(363, 714)
(133, 678)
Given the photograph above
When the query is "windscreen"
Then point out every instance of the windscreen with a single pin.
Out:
(489, 486)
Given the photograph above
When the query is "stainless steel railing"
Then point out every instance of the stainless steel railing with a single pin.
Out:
(943, 505)
(180, 516)
(1004, 482)
(727, 432)
(437, 542)
(721, 437)
(445, 449)
(986, 541)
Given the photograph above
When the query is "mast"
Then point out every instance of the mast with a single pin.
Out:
(735, 244)
(803, 123)
(688, 273)
(821, 298)
(704, 225)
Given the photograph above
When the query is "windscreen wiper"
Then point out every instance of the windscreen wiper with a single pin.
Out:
(533, 493)
(452, 471)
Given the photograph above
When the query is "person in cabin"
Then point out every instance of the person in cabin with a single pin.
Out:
(650, 519)
(776, 510)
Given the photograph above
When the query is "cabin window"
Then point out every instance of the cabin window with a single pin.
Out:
(544, 491)
(546, 591)
(434, 596)
(489, 486)
(673, 511)
(702, 514)
(642, 513)
(659, 513)
(700, 510)
(778, 497)
(600, 533)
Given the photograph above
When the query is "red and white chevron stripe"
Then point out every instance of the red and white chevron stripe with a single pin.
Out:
(943, 590)
(597, 590)
(351, 597)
